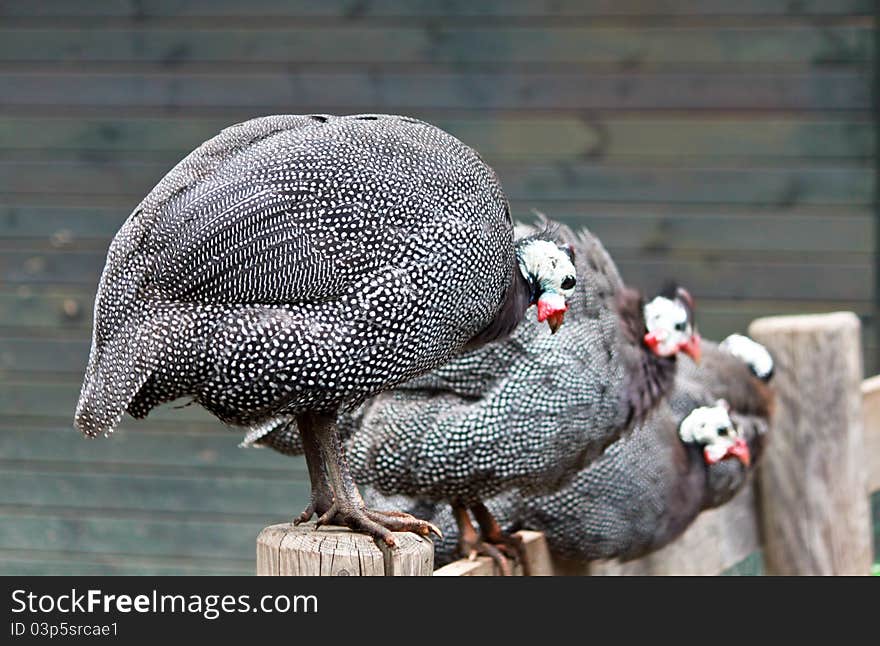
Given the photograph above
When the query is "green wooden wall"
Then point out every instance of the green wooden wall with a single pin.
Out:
(727, 144)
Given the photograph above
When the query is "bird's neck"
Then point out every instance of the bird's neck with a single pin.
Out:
(650, 377)
(517, 299)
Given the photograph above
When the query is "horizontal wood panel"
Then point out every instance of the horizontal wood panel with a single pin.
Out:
(444, 44)
(623, 227)
(352, 9)
(713, 275)
(248, 497)
(563, 137)
(139, 445)
(380, 90)
(781, 187)
(29, 563)
(177, 537)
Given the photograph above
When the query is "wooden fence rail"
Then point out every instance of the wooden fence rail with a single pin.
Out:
(807, 511)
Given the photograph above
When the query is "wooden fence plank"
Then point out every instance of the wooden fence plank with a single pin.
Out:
(537, 554)
(359, 44)
(303, 550)
(30, 564)
(381, 90)
(147, 9)
(871, 419)
(176, 536)
(559, 137)
(138, 446)
(199, 495)
(815, 513)
(781, 187)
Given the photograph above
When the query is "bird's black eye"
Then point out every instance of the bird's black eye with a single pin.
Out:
(568, 282)
(681, 326)
(722, 431)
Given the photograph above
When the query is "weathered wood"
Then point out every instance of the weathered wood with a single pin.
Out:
(538, 560)
(587, 182)
(556, 137)
(387, 90)
(717, 540)
(26, 563)
(273, 10)
(871, 419)
(815, 512)
(245, 497)
(537, 553)
(178, 449)
(288, 550)
(95, 532)
(360, 44)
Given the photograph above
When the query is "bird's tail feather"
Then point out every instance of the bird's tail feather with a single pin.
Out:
(115, 373)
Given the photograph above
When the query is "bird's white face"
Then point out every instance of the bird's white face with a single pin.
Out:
(712, 428)
(550, 269)
(751, 352)
(669, 328)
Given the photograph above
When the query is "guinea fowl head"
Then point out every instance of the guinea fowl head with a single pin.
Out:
(711, 428)
(669, 320)
(549, 270)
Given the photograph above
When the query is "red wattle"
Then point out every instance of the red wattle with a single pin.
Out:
(545, 310)
(740, 450)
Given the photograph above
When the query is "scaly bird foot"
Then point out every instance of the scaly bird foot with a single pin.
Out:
(378, 524)
(471, 549)
(318, 505)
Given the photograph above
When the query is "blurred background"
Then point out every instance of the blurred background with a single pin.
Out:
(730, 145)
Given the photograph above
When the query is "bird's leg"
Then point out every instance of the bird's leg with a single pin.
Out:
(470, 544)
(348, 508)
(492, 534)
(322, 496)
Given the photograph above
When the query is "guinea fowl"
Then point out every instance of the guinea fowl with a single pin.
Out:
(693, 453)
(293, 266)
(526, 412)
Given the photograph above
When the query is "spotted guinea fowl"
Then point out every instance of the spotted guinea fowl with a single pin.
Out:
(526, 412)
(693, 453)
(293, 266)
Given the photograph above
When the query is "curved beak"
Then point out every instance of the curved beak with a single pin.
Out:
(692, 347)
(739, 450)
(555, 321)
(552, 308)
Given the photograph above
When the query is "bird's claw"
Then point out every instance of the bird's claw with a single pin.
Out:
(482, 548)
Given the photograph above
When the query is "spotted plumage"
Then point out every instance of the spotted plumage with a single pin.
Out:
(648, 487)
(524, 413)
(300, 264)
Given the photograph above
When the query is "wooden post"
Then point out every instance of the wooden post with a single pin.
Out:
(537, 555)
(871, 416)
(812, 482)
(288, 550)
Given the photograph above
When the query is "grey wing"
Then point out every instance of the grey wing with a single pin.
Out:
(255, 244)
(524, 432)
(272, 211)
